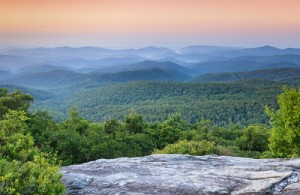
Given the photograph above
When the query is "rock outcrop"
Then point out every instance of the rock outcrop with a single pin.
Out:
(184, 174)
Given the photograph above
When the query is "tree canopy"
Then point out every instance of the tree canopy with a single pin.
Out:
(285, 136)
(24, 169)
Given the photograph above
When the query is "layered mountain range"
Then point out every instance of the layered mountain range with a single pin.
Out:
(104, 83)
(192, 59)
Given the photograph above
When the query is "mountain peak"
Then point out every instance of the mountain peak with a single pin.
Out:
(268, 47)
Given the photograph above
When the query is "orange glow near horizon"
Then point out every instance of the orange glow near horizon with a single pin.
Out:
(151, 17)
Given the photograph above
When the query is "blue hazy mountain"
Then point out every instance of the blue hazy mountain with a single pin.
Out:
(5, 74)
(268, 74)
(65, 78)
(79, 64)
(207, 49)
(43, 80)
(41, 68)
(192, 60)
(272, 58)
(262, 51)
(14, 62)
(148, 64)
(237, 65)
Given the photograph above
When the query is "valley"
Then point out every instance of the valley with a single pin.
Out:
(149, 97)
(227, 85)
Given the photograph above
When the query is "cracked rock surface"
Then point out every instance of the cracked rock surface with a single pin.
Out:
(184, 174)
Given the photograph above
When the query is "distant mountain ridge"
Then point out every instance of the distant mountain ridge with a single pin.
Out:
(199, 58)
(62, 78)
(41, 68)
(151, 74)
(43, 80)
(269, 74)
(63, 66)
(146, 64)
(154, 81)
(5, 74)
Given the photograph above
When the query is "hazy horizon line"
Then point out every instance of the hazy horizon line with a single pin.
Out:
(141, 47)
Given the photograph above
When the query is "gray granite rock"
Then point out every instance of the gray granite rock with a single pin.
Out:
(292, 189)
(183, 174)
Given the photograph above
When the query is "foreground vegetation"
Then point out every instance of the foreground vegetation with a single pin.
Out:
(32, 144)
(24, 168)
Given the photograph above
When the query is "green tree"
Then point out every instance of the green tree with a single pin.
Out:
(23, 168)
(255, 138)
(169, 131)
(70, 140)
(42, 127)
(76, 122)
(13, 101)
(285, 135)
(165, 135)
(112, 126)
(134, 123)
(189, 147)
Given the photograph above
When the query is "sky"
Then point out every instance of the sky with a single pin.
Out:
(136, 23)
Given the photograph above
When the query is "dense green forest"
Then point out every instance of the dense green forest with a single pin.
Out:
(240, 102)
(78, 140)
(222, 103)
(156, 93)
(32, 145)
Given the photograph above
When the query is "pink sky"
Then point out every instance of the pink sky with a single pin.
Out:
(133, 23)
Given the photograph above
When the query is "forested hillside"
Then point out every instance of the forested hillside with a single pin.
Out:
(155, 82)
(223, 103)
(239, 102)
(65, 78)
(269, 74)
(77, 140)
